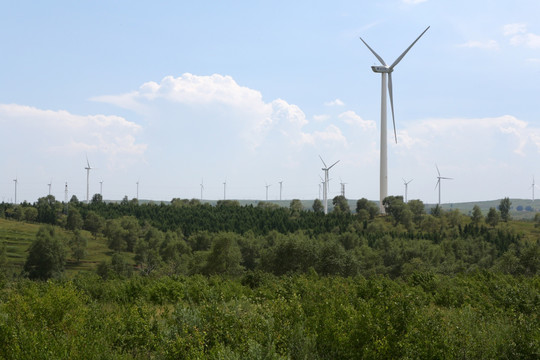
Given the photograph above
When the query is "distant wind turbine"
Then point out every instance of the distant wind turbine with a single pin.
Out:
(15, 181)
(385, 71)
(267, 186)
(137, 189)
(325, 187)
(532, 187)
(88, 168)
(49, 184)
(202, 188)
(101, 188)
(280, 188)
(439, 178)
(342, 187)
(406, 183)
(225, 190)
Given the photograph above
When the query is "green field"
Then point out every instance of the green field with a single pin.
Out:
(18, 236)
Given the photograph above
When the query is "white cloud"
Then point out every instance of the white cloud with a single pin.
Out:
(486, 45)
(242, 108)
(513, 29)
(55, 132)
(321, 118)
(519, 36)
(332, 134)
(336, 102)
(351, 118)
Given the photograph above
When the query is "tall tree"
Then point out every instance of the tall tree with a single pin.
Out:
(492, 217)
(476, 215)
(341, 205)
(46, 255)
(504, 208)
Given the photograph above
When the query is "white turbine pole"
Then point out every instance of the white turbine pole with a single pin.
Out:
(325, 188)
(49, 184)
(406, 183)
(137, 189)
(202, 188)
(280, 188)
(386, 78)
(439, 178)
(533, 189)
(16, 181)
(66, 193)
(88, 168)
(101, 188)
(225, 190)
(383, 174)
(267, 186)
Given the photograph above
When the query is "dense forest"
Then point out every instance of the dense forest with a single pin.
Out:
(191, 280)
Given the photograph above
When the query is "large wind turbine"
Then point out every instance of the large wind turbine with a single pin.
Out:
(88, 168)
(384, 70)
(325, 184)
(439, 178)
(406, 183)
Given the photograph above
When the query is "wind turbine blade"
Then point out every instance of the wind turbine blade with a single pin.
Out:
(407, 50)
(437, 184)
(447, 178)
(438, 170)
(323, 161)
(374, 53)
(333, 165)
(392, 103)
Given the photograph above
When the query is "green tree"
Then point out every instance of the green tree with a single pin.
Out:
(369, 206)
(341, 205)
(74, 220)
(476, 215)
(94, 223)
(96, 199)
(395, 207)
(418, 210)
(492, 217)
(296, 206)
(46, 255)
(47, 210)
(504, 208)
(78, 244)
(30, 214)
(225, 256)
(318, 206)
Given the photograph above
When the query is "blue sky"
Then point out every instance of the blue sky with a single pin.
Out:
(175, 93)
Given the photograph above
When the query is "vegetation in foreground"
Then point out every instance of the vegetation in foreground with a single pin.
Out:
(241, 282)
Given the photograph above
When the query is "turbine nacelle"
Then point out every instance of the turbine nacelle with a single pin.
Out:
(382, 69)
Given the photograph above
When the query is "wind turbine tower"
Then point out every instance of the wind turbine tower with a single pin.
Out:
(49, 185)
(325, 187)
(406, 183)
(267, 186)
(386, 72)
(88, 168)
(101, 189)
(532, 187)
(202, 188)
(66, 194)
(439, 178)
(137, 189)
(15, 181)
(280, 188)
(342, 187)
(225, 190)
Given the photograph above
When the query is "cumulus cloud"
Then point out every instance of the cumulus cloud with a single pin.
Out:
(351, 118)
(55, 132)
(485, 45)
(336, 102)
(242, 108)
(519, 36)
